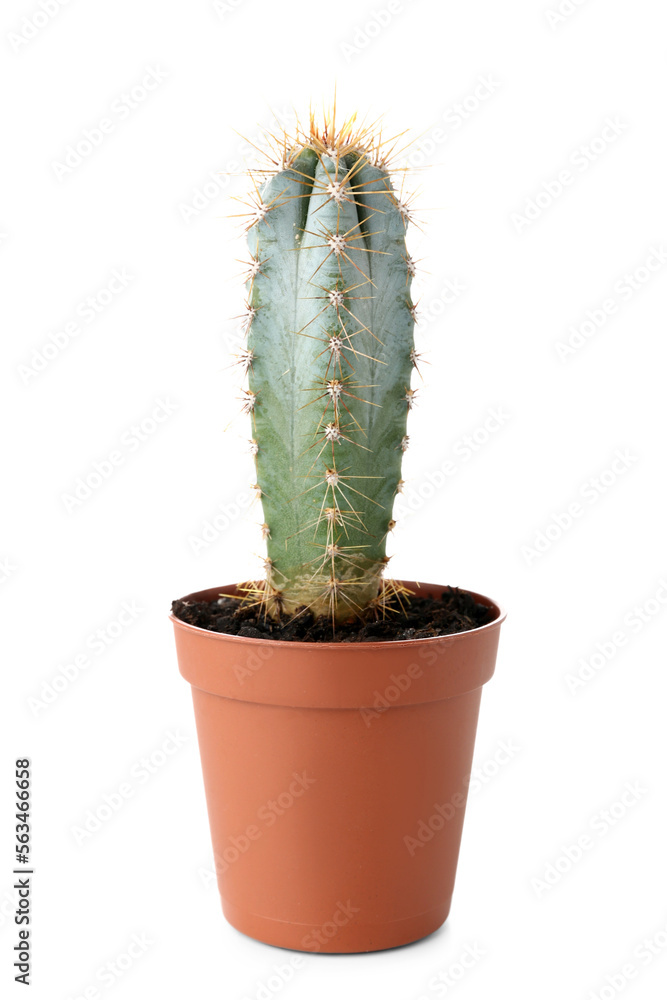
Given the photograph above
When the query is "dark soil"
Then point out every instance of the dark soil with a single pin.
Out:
(420, 618)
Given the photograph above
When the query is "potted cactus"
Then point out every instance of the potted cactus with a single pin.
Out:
(336, 723)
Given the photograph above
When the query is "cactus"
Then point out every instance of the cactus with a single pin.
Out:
(330, 352)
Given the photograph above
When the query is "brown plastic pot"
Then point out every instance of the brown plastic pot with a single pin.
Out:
(336, 777)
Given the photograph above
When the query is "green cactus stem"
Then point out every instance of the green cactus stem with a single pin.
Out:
(330, 353)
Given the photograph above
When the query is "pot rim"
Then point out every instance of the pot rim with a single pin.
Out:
(231, 588)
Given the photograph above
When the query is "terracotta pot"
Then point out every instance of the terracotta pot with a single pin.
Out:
(336, 777)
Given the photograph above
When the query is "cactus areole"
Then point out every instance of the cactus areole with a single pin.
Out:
(329, 358)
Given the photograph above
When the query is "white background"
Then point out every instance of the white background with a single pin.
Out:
(501, 99)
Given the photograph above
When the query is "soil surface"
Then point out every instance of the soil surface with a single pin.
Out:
(419, 618)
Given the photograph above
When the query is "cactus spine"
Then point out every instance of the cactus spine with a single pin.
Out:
(330, 353)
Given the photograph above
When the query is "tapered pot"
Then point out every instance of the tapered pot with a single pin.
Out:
(336, 778)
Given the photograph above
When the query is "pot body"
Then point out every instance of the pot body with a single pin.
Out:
(336, 778)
